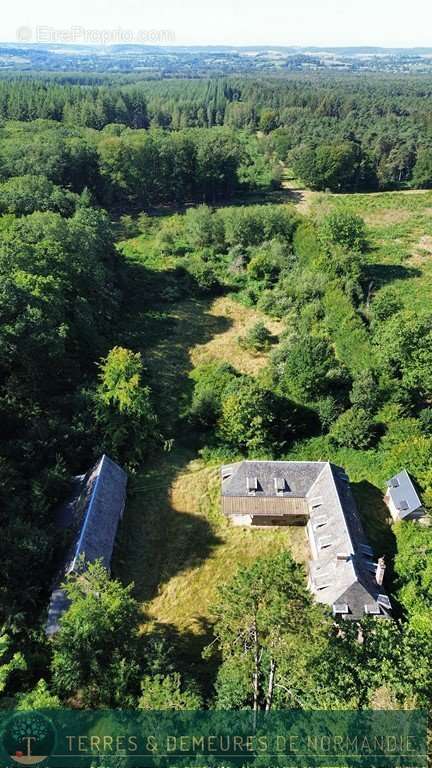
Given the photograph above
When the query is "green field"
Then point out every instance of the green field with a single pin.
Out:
(400, 229)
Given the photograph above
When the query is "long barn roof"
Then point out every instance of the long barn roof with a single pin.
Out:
(93, 515)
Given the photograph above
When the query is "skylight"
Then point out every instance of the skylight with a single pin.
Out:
(340, 609)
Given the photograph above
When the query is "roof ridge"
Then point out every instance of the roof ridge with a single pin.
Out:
(89, 508)
(326, 464)
(342, 510)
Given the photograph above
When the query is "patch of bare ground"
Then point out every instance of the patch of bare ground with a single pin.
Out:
(422, 252)
(300, 196)
(225, 345)
(387, 217)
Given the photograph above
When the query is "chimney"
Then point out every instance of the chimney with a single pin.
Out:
(380, 571)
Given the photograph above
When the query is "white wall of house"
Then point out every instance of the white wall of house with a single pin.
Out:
(392, 507)
(312, 543)
(416, 515)
(241, 519)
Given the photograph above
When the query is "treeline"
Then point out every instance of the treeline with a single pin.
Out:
(89, 106)
(386, 118)
(68, 390)
(123, 166)
(60, 294)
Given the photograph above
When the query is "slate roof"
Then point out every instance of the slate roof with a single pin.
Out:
(92, 514)
(402, 492)
(298, 476)
(341, 569)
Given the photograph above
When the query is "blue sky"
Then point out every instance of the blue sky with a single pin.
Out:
(237, 22)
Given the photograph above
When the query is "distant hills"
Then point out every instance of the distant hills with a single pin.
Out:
(200, 61)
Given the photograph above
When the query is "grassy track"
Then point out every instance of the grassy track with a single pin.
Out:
(174, 543)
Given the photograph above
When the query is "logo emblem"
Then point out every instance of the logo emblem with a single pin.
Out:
(29, 738)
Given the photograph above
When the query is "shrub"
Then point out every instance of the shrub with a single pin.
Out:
(204, 274)
(385, 304)
(247, 418)
(123, 407)
(211, 381)
(345, 229)
(328, 410)
(170, 238)
(251, 225)
(306, 368)
(425, 419)
(203, 228)
(353, 429)
(258, 338)
(166, 692)
(365, 392)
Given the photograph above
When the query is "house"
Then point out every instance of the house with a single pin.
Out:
(402, 498)
(317, 494)
(91, 516)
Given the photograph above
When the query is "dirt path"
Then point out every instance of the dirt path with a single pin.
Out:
(300, 196)
(303, 198)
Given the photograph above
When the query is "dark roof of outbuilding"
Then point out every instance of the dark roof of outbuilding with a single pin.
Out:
(92, 513)
(105, 495)
(403, 494)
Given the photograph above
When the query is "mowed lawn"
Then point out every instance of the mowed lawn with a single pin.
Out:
(400, 231)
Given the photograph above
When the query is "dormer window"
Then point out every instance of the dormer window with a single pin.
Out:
(340, 609)
(319, 522)
(252, 485)
(324, 542)
(384, 600)
(316, 502)
(280, 485)
(322, 581)
(372, 609)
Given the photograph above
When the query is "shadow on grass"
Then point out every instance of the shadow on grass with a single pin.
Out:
(277, 196)
(186, 650)
(155, 541)
(382, 274)
(165, 316)
(376, 521)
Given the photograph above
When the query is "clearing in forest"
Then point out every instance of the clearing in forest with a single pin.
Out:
(174, 543)
(182, 547)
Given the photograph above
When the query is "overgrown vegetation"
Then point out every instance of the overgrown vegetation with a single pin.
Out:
(110, 346)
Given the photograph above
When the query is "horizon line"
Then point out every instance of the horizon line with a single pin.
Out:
(236, 46)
